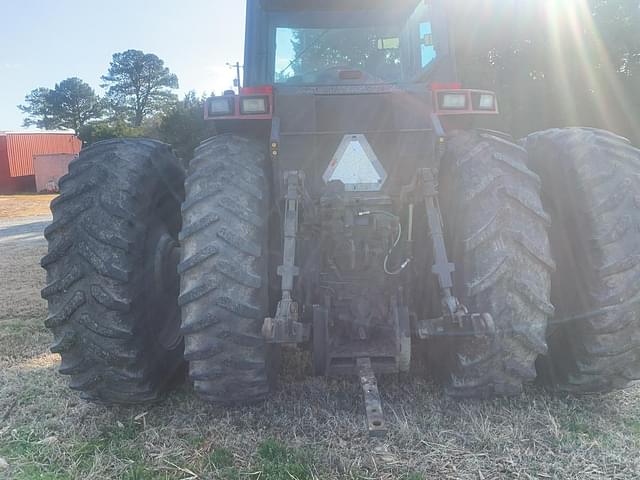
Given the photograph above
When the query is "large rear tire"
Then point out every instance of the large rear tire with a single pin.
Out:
(224, 275)
(496, 235)
(591, 188)
(112, 282)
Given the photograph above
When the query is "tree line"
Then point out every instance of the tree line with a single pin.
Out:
(554, 63)
(139, 100)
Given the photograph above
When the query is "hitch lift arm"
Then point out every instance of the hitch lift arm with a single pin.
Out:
(442, 268)
(456, 319)
(285, 327)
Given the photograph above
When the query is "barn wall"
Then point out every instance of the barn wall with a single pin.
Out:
(17, 151)
(22, 147)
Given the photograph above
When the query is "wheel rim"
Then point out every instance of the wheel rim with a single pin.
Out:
(163, 259)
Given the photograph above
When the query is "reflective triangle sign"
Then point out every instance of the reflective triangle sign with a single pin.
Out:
(356, 165)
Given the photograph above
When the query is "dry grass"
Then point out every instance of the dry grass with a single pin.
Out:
(22, 206)
(310, 429)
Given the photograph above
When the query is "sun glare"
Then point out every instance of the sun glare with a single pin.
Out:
(577, 45)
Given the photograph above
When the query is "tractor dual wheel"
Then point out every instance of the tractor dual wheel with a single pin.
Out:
(496, 233)
(591, 188)
(224, 272)
(112, 282)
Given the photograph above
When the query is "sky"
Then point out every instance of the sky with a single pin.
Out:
(44, 41)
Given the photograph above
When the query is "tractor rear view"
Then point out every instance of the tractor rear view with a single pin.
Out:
(355, 205)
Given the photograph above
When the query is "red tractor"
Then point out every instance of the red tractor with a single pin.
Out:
(352, 204)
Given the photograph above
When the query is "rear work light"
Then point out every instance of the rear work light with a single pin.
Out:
(254, 105)
(453, 101)
(484, 101)
(251, 103)
(457, 101)
(221, 106)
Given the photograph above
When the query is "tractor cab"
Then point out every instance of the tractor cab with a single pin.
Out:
(346, 43)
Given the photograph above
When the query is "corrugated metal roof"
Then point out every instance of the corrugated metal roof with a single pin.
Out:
(36, 132)
(22, 147)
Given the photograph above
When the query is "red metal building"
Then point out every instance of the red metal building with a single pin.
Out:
(17, 151)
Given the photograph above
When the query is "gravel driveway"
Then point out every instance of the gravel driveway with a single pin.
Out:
(29, 229)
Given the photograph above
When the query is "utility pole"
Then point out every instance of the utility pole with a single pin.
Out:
(237, 82)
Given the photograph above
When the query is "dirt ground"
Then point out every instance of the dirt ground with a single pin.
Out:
(24, 206)
(310, 429)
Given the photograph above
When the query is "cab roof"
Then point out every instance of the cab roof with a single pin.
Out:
(337, 5)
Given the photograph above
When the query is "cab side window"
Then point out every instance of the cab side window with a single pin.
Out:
(427, 49)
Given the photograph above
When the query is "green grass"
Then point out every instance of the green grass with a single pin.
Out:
(279, 462)
(33, 457)
(634, 427)
(413, 476)
(581, 427)
(273, 460)
(114, 441)
(221, 458)
(310, 428)
(221, 462)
